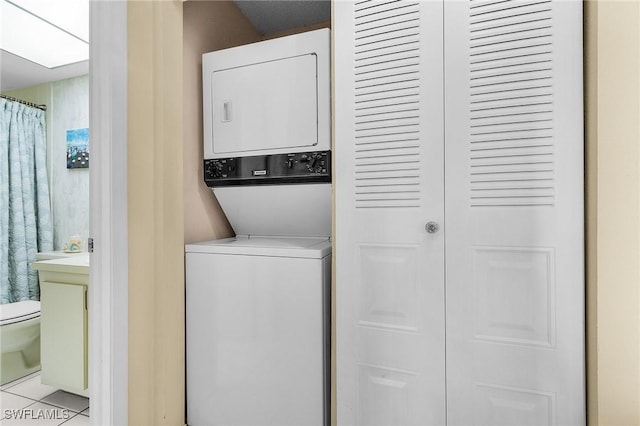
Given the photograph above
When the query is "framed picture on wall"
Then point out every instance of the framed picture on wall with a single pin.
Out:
(78, 148)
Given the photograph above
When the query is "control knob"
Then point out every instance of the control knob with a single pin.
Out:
(316, 163)
(216, 169)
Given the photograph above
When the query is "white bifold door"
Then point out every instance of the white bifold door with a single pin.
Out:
(388, 158)
(459, 212)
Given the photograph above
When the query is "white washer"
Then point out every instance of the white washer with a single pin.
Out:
(258, 327)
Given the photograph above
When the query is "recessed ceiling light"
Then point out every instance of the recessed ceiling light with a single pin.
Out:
(50, 33)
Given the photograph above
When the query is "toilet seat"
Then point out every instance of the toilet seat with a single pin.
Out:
(19, 311)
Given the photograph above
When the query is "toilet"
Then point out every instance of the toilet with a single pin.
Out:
(19, 339)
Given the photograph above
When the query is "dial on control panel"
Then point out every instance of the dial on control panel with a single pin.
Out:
(315, 163)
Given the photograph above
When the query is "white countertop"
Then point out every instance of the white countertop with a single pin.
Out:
(57, 254)
(73, 265)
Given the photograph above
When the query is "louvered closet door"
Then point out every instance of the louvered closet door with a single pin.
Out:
(514, 234)
(389, 182)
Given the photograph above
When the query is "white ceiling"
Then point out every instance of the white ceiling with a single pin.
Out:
(17, 72)
(268, 16)
(42, 41)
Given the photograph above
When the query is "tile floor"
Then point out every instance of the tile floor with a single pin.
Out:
(27, 401)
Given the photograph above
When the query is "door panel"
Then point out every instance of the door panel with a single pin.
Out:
(389, 172)
(513, 137)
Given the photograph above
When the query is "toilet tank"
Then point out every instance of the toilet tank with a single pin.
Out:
(270, 97)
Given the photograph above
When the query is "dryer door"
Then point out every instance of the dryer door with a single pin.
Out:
(265, 106)
(270, 97)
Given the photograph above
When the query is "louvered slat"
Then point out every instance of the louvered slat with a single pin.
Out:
(387, 100)
(511, 103)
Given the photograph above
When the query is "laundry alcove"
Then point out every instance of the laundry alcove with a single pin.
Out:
(459, 212)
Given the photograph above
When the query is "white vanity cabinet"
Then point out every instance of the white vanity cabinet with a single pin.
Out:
(64, 323)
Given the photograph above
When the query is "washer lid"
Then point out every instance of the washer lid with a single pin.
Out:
(310, 248)
(19, 311)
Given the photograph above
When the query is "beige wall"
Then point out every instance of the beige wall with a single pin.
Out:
(208, 26)
(155, 214)
(612, 42)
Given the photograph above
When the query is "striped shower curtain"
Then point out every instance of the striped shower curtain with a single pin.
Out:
(25, 210)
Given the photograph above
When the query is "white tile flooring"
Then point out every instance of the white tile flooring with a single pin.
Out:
(27, 401)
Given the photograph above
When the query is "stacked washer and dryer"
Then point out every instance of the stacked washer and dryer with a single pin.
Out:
(258, 304)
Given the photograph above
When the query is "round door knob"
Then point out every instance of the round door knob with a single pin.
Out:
(432, 227)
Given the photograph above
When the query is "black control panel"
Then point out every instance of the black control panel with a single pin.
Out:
(300, 167)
